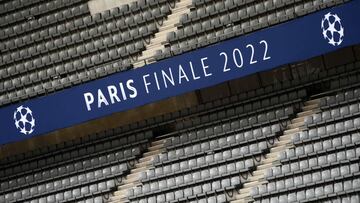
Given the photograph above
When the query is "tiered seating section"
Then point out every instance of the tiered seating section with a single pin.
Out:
(218, 163)
(48, 46)
(213, 21)
(53, 45)
(216, 147)
(323, 164)
(83, 172)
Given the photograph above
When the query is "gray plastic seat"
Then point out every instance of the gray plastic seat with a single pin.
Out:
(67, 195)
(93, 188)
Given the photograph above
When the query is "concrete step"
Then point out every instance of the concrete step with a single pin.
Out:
(291, 131)
(138, 170)
(132, 175)
(298, 119)
(252, 178)
(134, 180)
(157, 142)
(305, 113)
(151, 48)
(168, 25)
(138, 64)
(260, 170)
(164, 29)
(270, 160)
(285, 137)
(286, 143)
(118, 197)
(263, 167)
(310, 107)
(155, 152)
(158, 40)
(271, 157)
(238, 201)
(296, 125)
(145, 159)
(180, 4)
(119, 194)
(143, 164)
(277, 149)
(146, 55)
(180, 8)
(311, 102)
(244, 191)
(241, 196)
(156, 147)
(124, 187)
(117, 200)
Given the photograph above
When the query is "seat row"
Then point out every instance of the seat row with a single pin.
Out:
(75, 179)
(56, 184)
(215, 29)
(67, 62)
(79, 43)
(80, 18)
(31, 21)
(247, 141)
(212, 16)
(243, 107)
(78, 168)
(322, 164)
(98, 199)
(299, 180)
(70, 38)
(233, 126)
(188, 192)
(192, 177)
(190, 172)
(313, 163)
(340, 98)
(336, 114)
(320, 132)
(79, 193)
(210, 164)
(319, 193)
(75, 32)
(58, 82)
(96, 151)
(320, 145)
(19, 10)
(351, 198)
(113, 136)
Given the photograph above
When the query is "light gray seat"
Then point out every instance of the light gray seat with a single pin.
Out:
(93, 188)
(98, 200)
(59, 197)
(67, 195)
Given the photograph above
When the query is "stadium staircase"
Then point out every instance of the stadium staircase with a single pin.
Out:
(132, 179)
(243, 195)
(168, 25)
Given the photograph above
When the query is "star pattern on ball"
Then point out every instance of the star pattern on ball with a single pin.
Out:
(331, 28)
(24, 120)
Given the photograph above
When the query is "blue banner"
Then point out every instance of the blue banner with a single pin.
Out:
(297, 40)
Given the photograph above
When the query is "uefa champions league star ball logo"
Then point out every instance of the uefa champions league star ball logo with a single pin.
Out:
(332, 29)
(24, 120)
